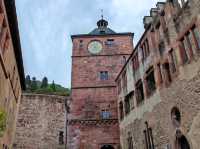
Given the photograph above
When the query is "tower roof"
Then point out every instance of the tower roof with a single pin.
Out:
(102, 28)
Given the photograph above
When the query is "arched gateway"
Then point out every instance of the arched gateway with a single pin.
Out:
(107, 147)
(182, 143)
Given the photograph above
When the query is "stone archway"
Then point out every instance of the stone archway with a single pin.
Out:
(107, 147)
(182, 143)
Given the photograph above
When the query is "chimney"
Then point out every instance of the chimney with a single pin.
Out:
(147, 20)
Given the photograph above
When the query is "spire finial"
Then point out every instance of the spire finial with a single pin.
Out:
(102, 14)
(102, 23)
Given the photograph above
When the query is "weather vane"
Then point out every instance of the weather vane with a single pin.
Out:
(102, 14)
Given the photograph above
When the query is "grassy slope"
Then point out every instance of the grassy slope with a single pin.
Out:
(59, 90)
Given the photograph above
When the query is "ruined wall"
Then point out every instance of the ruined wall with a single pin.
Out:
(10, 85)
(41, 119)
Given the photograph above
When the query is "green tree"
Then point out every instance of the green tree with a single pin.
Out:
(28, 82)
(44, 82)
(34, 84)
(53, 86)
(3, 116)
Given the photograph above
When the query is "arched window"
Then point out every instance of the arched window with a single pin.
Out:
(124, 60)
(182, 143)
(176, 117)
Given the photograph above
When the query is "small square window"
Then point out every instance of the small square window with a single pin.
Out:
(80, 43)
(105, 114)
(61, 137)
(104, 75)
(109, 42)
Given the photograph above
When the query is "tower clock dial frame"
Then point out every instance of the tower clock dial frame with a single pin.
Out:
(95, 47)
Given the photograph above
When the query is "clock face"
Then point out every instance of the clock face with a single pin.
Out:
(95, 47)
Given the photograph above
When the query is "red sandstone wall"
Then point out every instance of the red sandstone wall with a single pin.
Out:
(86, 129)
(123, 45)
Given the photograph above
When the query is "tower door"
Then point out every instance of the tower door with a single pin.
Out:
(107, 147)
(182, 143)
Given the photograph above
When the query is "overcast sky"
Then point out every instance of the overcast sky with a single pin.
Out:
(46, 25)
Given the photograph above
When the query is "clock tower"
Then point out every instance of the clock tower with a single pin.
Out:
(96, 60)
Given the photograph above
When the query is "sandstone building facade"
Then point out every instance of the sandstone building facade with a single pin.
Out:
(97, 59)
(158, 88)
(41, 122)
(11, 72)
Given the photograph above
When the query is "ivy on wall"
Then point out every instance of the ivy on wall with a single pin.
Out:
(2, 122)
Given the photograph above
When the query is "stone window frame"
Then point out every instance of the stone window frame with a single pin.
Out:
(139, 90)
(183, 52)
(61, 138)
(176, 117)
(127, 102)
(172, 60)
(167, 73)
(151, 88)
(189, 43)
(104, 75)
(109, 42)
(135, 62)
(124, 60)
(145, 49)
(124, 81)
(105, 114)
(81, 43)
(119, 86)
(195, 34)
